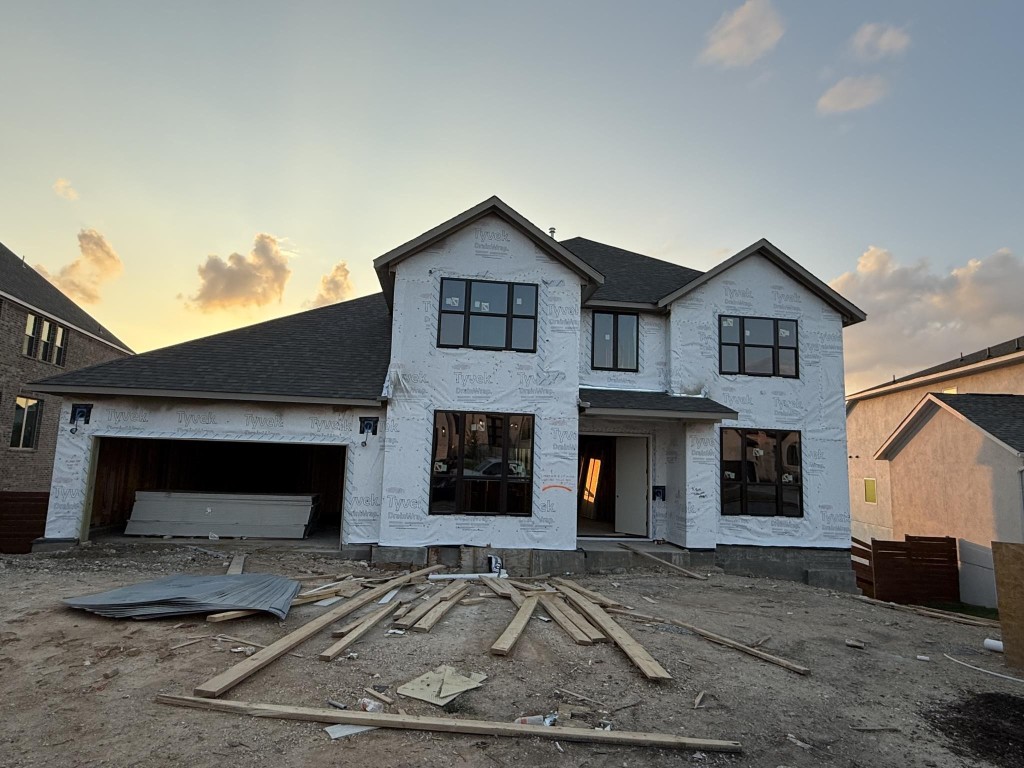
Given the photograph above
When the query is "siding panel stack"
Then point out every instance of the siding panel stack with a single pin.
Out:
(165, 513)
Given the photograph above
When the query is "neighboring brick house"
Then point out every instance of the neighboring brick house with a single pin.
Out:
(42, 333)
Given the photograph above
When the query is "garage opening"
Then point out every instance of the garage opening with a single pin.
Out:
(127, 465)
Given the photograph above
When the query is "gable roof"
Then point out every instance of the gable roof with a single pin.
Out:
(493, 205)
(999, 417)
(334, 354)
(847, 310)
(21, 283)
(629, 277)
(1000, 354)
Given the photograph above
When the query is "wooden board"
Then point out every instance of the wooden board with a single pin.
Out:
(228, 679)
(715, 638)
(237, 565)
(436, 613)
(646, 663)
(426, 606)
(933, 613)
(352, 637)
(557, 613)
(452, 725)
(663, 563)
(356, 623)
(1009, 565)
(595, 634)
(508, 639)
(594, 597)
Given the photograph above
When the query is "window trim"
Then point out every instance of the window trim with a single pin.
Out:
(741, 346)
(36, 426)
(615, 340)
(460, 417)
(42, 347)
(779, 485)
(466, 312)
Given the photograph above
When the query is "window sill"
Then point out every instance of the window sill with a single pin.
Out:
(21, 450)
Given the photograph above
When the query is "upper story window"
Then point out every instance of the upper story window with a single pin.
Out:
(758, 346)
(484, 314)
(615, 342)
(44, 340)
(27, 418)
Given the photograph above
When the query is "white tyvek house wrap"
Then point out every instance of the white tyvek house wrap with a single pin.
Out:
(652, 352)
(813, 404)
(216, 420)
(423, 378)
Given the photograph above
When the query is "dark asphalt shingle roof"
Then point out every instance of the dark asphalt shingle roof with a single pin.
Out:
(652, 401)
(1002, 416)
(336, 352)
(999, 350)
(20, 280)
(629, 276)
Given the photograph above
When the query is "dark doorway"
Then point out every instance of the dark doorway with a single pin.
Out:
(596, 483)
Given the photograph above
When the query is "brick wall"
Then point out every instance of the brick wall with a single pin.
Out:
(29, 470)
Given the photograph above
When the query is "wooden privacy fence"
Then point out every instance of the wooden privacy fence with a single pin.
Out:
(921, 569)
(22, 519)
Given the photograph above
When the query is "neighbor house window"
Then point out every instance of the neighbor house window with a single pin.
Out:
(27, 419)
(481, 464)
(615, 342)
(761, 473)
(487, 315)
(758, 346)
(870, 491)
(44, 340)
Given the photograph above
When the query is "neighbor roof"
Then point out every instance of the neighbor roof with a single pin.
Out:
(637, 402)
(630, 277)
(338, 353)
(1000, 417)
(22, 283)
(1006, 348)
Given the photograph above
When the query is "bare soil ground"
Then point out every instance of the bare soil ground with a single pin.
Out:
(78, 690)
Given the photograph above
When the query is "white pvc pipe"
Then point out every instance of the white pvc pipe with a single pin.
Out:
(993, 645)
(447, 576)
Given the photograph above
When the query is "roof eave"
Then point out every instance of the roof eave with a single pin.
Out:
(952, 373)
(187, 394)
(647, 413)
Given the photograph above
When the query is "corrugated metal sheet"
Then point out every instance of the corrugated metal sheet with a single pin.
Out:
(179, 595)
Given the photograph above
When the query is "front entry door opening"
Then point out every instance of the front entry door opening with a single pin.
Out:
(613, 486)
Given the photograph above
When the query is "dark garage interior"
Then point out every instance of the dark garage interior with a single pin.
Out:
(127, 465)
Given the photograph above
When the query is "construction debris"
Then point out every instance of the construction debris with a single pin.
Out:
(181, 595)
(441, 685)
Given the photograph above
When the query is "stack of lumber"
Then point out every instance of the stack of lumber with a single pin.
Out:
(267, 516)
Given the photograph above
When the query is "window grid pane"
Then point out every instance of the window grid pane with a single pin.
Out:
(761, 473)
(758, 346)
(615, 342)
(488, 315)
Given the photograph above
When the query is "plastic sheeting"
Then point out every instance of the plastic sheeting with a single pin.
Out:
(181, 595)
(423, 379)
(812, 404)
(149, 417)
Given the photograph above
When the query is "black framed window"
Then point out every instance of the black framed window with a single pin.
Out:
(761, 473)
(482, 464)
(758, 346)
(484, 314)
(27, 420)
(615, 342)
(44, 340)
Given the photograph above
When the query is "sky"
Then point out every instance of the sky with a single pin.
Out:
(185, 168)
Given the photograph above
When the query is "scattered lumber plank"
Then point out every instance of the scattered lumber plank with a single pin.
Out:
(579, 696)
(237, 565)
(356, 623)
(229, 615)
(228, 679)
(595, 634)
(594, 597)
(500, 587)
(934, 613)
(380, 696)
(472, 600)
(663, 563)
(556, 612)
(436, 613)
(451, 725)
(715, 638)
(507, 641)
(350, 639)
(646, 663)
(417, 613)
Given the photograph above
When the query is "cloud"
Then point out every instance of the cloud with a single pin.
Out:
(918, 317)
(242, 281)
(876, 41)
(64, 189)
(852, 93)
(743, 36)
(334, 287)
(96, 264)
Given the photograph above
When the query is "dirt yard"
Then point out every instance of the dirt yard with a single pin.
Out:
(78, 690)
